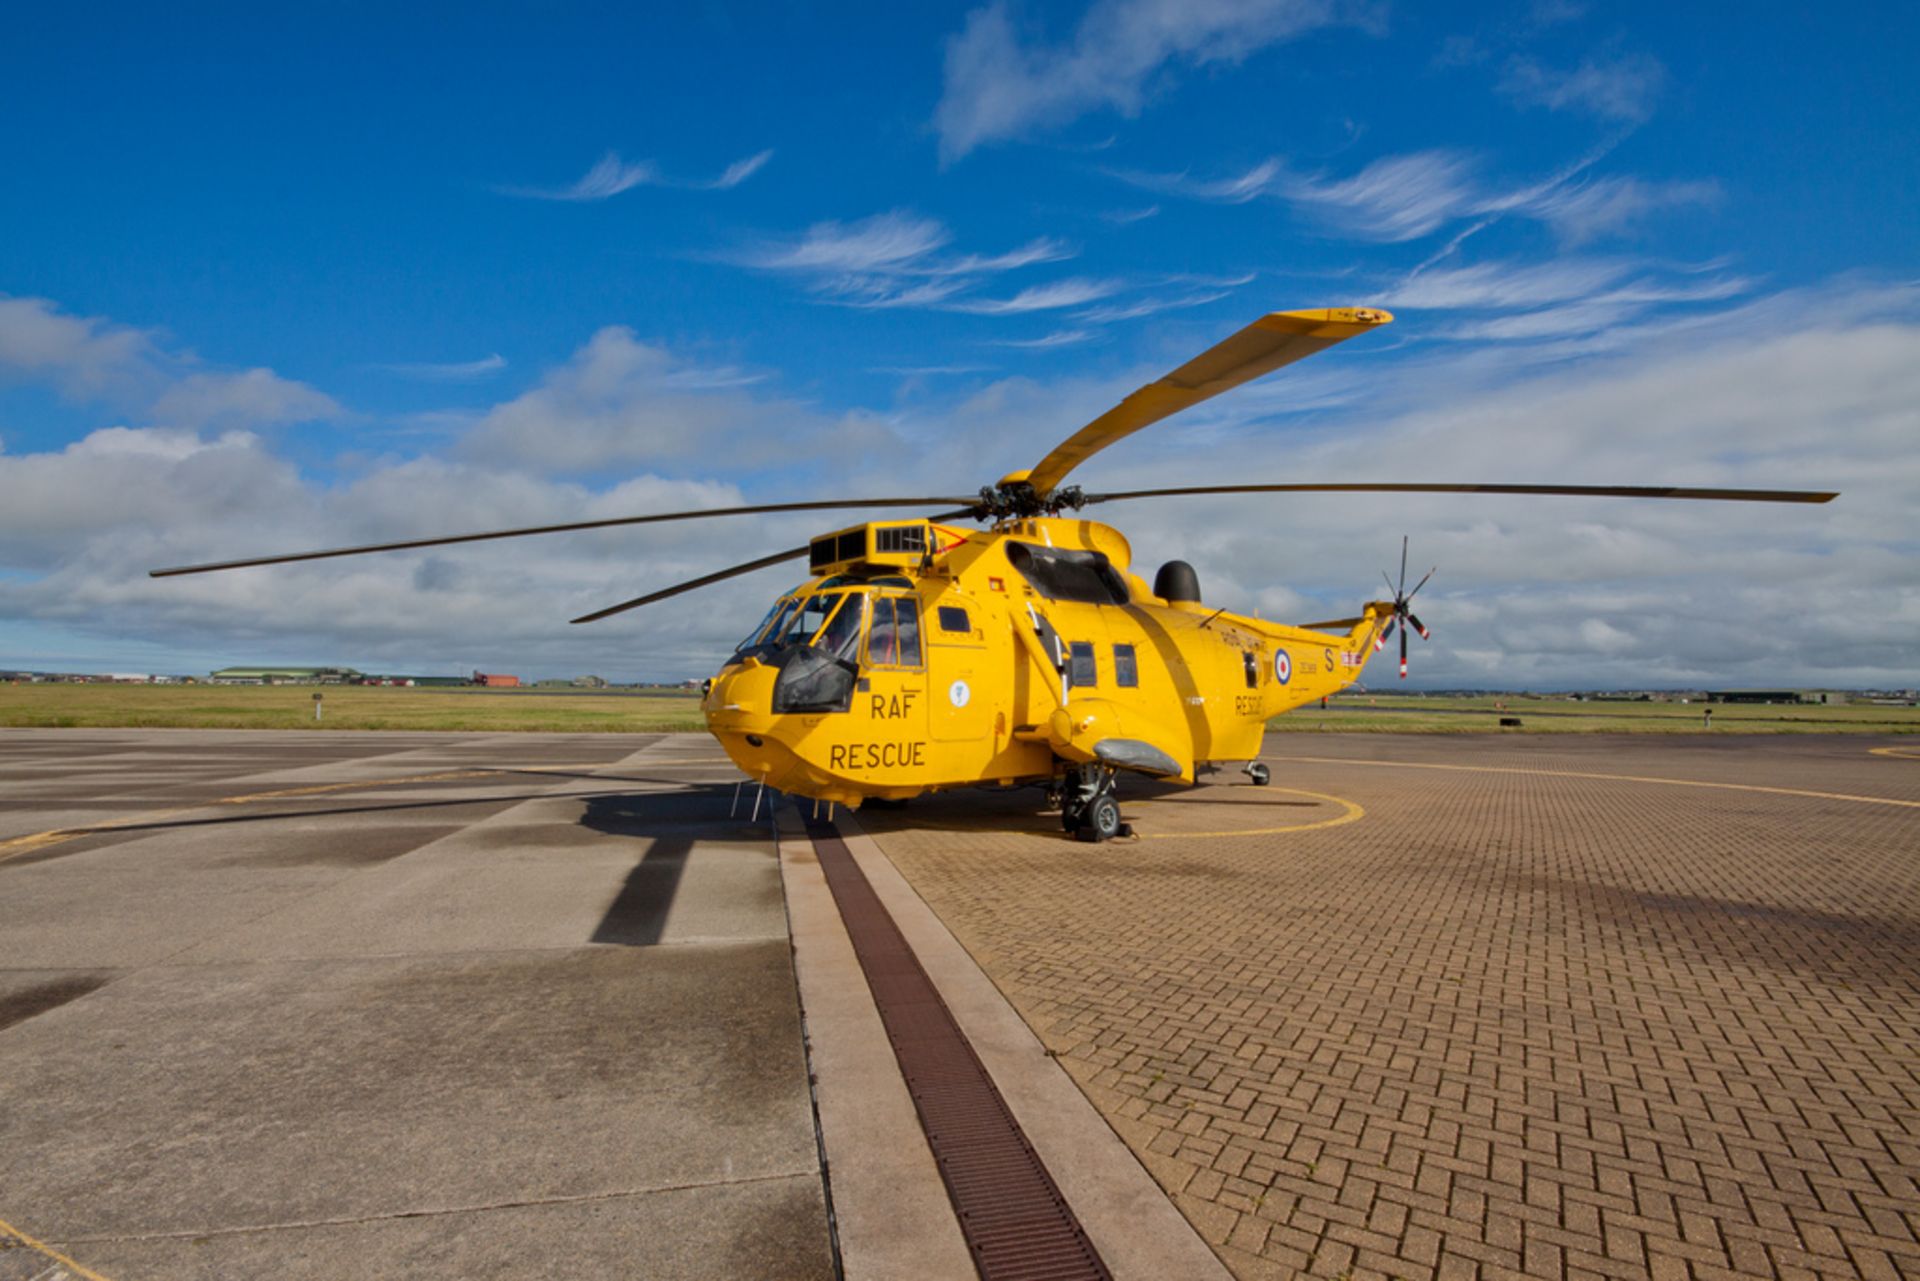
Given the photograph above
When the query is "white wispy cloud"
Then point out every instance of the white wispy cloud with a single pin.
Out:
(1406, 197)
(741, 170)
(1000, 85)
(899, 259)
(1058, 338)
(1126, 217)
(611, 175)
(1140, 307)
(1049, 297)
(1621, 89)
(450, 371)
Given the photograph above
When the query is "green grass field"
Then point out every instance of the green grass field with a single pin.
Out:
(372, 707)
(1553, 715)
(344, 707)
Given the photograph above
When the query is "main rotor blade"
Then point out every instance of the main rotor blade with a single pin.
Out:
(1277, 339)
(733, 572)
(704, 580)
(1570, 491)
(364, 548)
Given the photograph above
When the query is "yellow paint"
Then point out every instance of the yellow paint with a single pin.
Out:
(1611, 778)
(85, 1273)
(981, 699)
(1903, 753)
(1353, 813)
(40, 840)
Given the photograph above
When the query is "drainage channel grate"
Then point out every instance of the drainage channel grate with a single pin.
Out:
(1015, 1221)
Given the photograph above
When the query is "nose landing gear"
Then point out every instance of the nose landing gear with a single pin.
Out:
(1088, 808)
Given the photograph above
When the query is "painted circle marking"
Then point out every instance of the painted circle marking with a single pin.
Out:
(1282, 666)
(958, 694)
(1901, 753)
(1351, 812)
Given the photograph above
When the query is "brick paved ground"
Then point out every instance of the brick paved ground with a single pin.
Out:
(1514, 1020)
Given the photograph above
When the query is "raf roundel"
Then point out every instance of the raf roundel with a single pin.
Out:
(1282, 666)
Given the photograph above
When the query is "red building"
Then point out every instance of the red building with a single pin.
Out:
(495, 680)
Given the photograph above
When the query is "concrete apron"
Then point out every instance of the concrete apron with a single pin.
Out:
(891, 1211)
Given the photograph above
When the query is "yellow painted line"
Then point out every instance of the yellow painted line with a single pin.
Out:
(1353, 814)
(41, 840)
(1904, 753)
(7, 1229)
(1611, 778)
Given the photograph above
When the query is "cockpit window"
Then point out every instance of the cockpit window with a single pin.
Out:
(808, 619)
(841, 636)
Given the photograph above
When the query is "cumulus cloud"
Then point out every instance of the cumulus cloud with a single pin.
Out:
(1000, 85)
(91, 359)
(254, 397)
(1813, 388)
(85, 357)
(622, 402)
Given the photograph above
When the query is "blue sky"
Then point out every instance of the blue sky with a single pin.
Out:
(270, 280)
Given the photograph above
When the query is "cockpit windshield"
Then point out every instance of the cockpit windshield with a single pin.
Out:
(830, 620)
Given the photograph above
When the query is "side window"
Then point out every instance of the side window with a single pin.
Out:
(1126, 673)
(954, 619)
(906, 615)
(1084, 673)
(894, 638)
(1253, 669)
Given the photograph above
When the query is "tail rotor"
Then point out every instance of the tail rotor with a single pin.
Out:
(1403, 617)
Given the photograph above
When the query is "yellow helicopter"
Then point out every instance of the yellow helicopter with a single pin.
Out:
(922, 655)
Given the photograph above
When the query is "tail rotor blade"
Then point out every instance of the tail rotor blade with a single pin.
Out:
(1403, 565)
(1403, 653)
(1380, 641)
(1422, 583)
(1420, 627)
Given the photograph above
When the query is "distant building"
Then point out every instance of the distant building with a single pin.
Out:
(496, 680)
(1790, 697)
(284, 676)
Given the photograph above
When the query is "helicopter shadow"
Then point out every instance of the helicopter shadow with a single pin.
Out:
(671, 824)
(1024, 810)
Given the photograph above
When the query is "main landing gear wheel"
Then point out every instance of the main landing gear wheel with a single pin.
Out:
(1102, 821)
(1259, 773)
(1088, 808)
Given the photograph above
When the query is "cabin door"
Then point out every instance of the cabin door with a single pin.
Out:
(960, 680)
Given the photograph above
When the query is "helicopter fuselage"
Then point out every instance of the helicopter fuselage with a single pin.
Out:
(923, 656)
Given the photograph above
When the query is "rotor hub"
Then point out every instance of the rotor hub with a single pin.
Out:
(1014, 499)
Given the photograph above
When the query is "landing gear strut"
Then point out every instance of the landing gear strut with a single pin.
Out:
(1087, 805)
(1258, 773)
